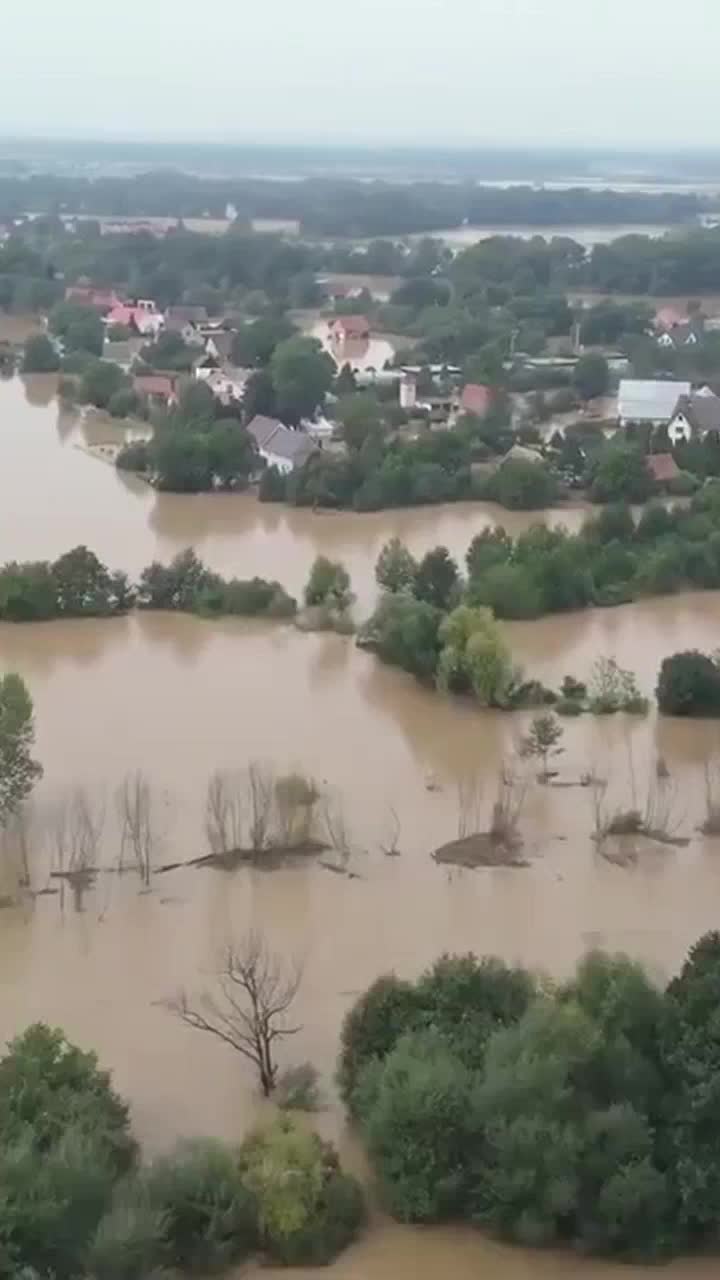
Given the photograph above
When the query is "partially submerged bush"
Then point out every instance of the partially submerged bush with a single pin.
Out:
(209, 1214)
(308, 1209)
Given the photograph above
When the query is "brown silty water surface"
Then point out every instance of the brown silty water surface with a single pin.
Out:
(179, 697)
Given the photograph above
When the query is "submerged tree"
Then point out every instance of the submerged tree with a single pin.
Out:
(256, 989)
(18, 770)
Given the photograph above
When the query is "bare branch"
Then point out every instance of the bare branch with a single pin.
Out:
(255, 990)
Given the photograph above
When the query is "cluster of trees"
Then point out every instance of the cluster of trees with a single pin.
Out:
(78, 1203)
(583, 1113)
(613, 559)
(689, 684)
(78, 585)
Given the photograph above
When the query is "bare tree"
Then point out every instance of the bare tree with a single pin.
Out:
(75, 824)
(261, 789)
(255, 989)
(336, 830)
(389, 844)
(137, 812)
(225, 805)
(469, 806)
(295, 799)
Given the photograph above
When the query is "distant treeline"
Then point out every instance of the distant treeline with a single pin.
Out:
(346, 207)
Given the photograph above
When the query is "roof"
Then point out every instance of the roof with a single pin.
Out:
(352, 326)
(177, 317)
(476, 398)
(222, 341)
(520, 453)
(103, 299)
(682, 335)
(272, 436)
(668, 317)
(154, 384)
(662, 467)
(649, 401)
(701, 411)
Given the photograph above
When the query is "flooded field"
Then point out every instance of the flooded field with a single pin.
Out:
(179, 697)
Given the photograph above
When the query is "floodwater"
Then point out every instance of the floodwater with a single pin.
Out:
(179, 697)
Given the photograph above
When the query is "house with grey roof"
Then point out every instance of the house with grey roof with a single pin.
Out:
(278, 445)
(651, 402)
(694, 416)
(687, 334)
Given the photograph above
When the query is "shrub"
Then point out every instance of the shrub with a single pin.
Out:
(39, 355)
(308, 1210)
(134, 456)
(522, 485)
(372, 1026)
(48, 1086)
(209, 1214)
(414, 1108)
(297, 1088)
(569, 707)
(689, 685)
(129, 1241)
(612, 688)
(682, 485)
(273, 486)
(405, 633)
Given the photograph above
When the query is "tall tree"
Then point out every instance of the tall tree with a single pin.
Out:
(18, 770)
(302, 374)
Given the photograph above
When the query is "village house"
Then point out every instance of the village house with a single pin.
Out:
(649, 401)
(160, 388)
(475, 398)
(228, 384)
(681, 335)
(349, 329)
(694, 416)
(219, 345)
(187, 322)
(142, 316)
(662, 467)
(88, 296)
(278, 446)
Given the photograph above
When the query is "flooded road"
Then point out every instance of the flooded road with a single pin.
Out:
(179, 697)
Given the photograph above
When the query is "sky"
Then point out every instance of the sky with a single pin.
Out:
(618, 73)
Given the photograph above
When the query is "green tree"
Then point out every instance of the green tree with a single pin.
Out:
(522, 485)
(302, 374)
(360, 419)
(39, 355)
(308, 1209)
(475, 656)
(328, 584)
(591, 376)
(541, 740)
(414, 1108)
(405, 633)
(82, 584)
(100, 382)
(620, 474)
(689, 685)
(436, 578)
(396, 568)
(18, 770)
(79, 327)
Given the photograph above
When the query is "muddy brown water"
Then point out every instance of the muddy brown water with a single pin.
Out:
(179, 697)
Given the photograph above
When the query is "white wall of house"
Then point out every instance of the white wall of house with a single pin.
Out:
(679, 429)
(284, 465)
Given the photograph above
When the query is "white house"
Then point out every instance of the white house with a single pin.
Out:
(650, 402)
(227, 384)
(681, 335)
(278, 445)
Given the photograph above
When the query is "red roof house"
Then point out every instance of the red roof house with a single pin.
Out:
(349, 328)
(89, 296)
(668, 317)
(157, 386)
(662, 467)
(476, 398)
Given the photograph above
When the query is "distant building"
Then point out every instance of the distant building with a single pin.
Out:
(681, 335)
(475, 398)
(159, 387)
(187, 322)
(668, 317)
(662, 467)
(695, 416)
(652, 402)
(141, 316)
(278, 445)
(89, 296)
(350, 329)
(228, 384)
(220, 345)
(408, 391)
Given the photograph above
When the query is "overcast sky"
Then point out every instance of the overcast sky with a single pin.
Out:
(591, 72)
